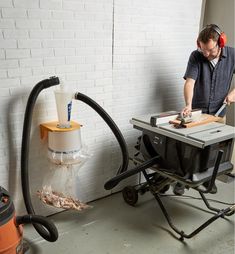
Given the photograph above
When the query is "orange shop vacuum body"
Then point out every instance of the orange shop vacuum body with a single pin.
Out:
(11, 234)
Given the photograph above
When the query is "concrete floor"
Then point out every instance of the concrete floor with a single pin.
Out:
(112, 226)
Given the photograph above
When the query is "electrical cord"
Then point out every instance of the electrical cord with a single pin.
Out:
(192, 197)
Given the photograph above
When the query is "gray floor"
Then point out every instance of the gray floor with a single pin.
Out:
(112, 226)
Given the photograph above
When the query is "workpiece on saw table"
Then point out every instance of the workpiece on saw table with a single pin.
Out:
(203, 119)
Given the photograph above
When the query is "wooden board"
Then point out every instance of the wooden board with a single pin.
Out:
(204, 119)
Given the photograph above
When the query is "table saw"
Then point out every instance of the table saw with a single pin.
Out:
(191, 157)
(187, 152)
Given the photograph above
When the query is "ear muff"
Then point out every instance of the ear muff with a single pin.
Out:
(222, 40)
(222, 36)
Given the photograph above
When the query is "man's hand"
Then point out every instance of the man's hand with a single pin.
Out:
(230, 97)
(186, 111)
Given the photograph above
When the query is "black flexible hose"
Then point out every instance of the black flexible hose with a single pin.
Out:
(52, 233)
(115, 180)
(40, 221)
(113, 127)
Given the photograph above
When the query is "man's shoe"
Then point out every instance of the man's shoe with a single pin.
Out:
(178, 189)
(214, 188)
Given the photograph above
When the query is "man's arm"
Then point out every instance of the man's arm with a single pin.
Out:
(188, 96)
(230, 97)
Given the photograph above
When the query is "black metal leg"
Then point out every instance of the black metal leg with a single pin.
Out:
(180, 232)
(214, 174)
(207, 203)
(219, 212)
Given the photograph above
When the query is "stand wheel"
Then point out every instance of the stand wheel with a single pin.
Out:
(130, 195)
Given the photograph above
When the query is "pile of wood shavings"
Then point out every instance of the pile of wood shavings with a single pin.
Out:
(58, 199)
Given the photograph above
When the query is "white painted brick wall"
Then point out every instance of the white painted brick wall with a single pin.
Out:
(136, 68)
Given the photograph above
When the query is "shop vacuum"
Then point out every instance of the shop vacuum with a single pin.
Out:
(11, 226)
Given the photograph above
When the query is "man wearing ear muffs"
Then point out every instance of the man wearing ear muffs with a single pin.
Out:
(209, 73)
(208, 78)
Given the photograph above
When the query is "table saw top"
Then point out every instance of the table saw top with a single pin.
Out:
(199, 136)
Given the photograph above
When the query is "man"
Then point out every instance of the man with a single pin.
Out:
(209, 73)
(208, 77)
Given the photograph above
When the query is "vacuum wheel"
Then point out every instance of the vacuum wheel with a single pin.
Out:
(130, 195)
